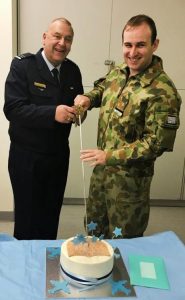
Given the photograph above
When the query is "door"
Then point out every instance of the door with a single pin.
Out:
(91, 21)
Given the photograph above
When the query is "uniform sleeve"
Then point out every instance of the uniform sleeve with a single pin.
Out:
(161, 124)
(18, 107)
(95, 95)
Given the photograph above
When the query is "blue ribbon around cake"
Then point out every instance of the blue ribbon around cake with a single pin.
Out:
(85, 280)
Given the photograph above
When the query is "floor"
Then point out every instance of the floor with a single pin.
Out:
(161, 219)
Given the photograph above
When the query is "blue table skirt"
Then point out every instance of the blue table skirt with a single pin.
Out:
(23, 266)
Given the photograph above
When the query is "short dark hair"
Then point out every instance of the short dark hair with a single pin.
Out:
(138, 20)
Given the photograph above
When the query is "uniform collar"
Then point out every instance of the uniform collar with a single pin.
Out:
(50, 66)
(153, 71)
(147, 76)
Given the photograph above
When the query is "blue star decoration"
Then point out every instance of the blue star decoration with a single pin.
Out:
(101, 237)
(80, 238)
(54, 252)
(119, 286)
(94, 239)
(91, 226)
(117, 232)
(59, 286)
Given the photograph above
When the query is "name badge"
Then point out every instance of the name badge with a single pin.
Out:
(171, 120)
(118, 112)
(40, 85)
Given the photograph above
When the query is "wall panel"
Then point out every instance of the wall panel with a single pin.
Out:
(98, 27)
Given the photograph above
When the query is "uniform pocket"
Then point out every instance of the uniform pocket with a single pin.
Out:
(39, 95)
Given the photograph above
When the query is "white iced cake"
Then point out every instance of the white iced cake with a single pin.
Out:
(87, 260)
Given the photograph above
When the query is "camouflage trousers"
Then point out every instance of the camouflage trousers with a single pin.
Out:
(118, 200)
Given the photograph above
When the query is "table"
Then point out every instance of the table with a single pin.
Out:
(23, 264)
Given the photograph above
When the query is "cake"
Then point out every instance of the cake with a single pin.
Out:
(88, 261)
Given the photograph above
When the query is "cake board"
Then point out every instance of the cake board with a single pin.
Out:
(109, 289)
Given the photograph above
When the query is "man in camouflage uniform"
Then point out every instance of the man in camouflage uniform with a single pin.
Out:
(139, 116)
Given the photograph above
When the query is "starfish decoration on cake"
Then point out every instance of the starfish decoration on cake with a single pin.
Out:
(53, 252)
(80, 238)
(117, 232)
(59, 286)
(119, 286)
(91, 226)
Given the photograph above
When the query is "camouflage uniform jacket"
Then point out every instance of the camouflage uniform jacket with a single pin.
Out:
(139, 116)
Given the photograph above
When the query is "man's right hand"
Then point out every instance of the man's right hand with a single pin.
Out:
(83, 101)
(64, 114)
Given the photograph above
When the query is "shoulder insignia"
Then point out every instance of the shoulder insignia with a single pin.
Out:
(24, 55)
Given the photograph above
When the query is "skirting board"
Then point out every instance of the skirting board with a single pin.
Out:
(8, 216)
(153, 202)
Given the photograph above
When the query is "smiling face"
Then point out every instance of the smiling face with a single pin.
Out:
(138, 48)
(57, 41)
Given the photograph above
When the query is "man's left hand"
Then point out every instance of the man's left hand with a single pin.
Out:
(93, 156)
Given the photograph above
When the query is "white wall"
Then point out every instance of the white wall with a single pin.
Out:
(7, 51)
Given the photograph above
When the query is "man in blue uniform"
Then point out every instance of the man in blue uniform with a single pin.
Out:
(39, 107)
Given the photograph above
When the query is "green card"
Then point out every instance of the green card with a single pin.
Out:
(148, 271)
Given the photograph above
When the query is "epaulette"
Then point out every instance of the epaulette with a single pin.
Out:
(24, 55)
